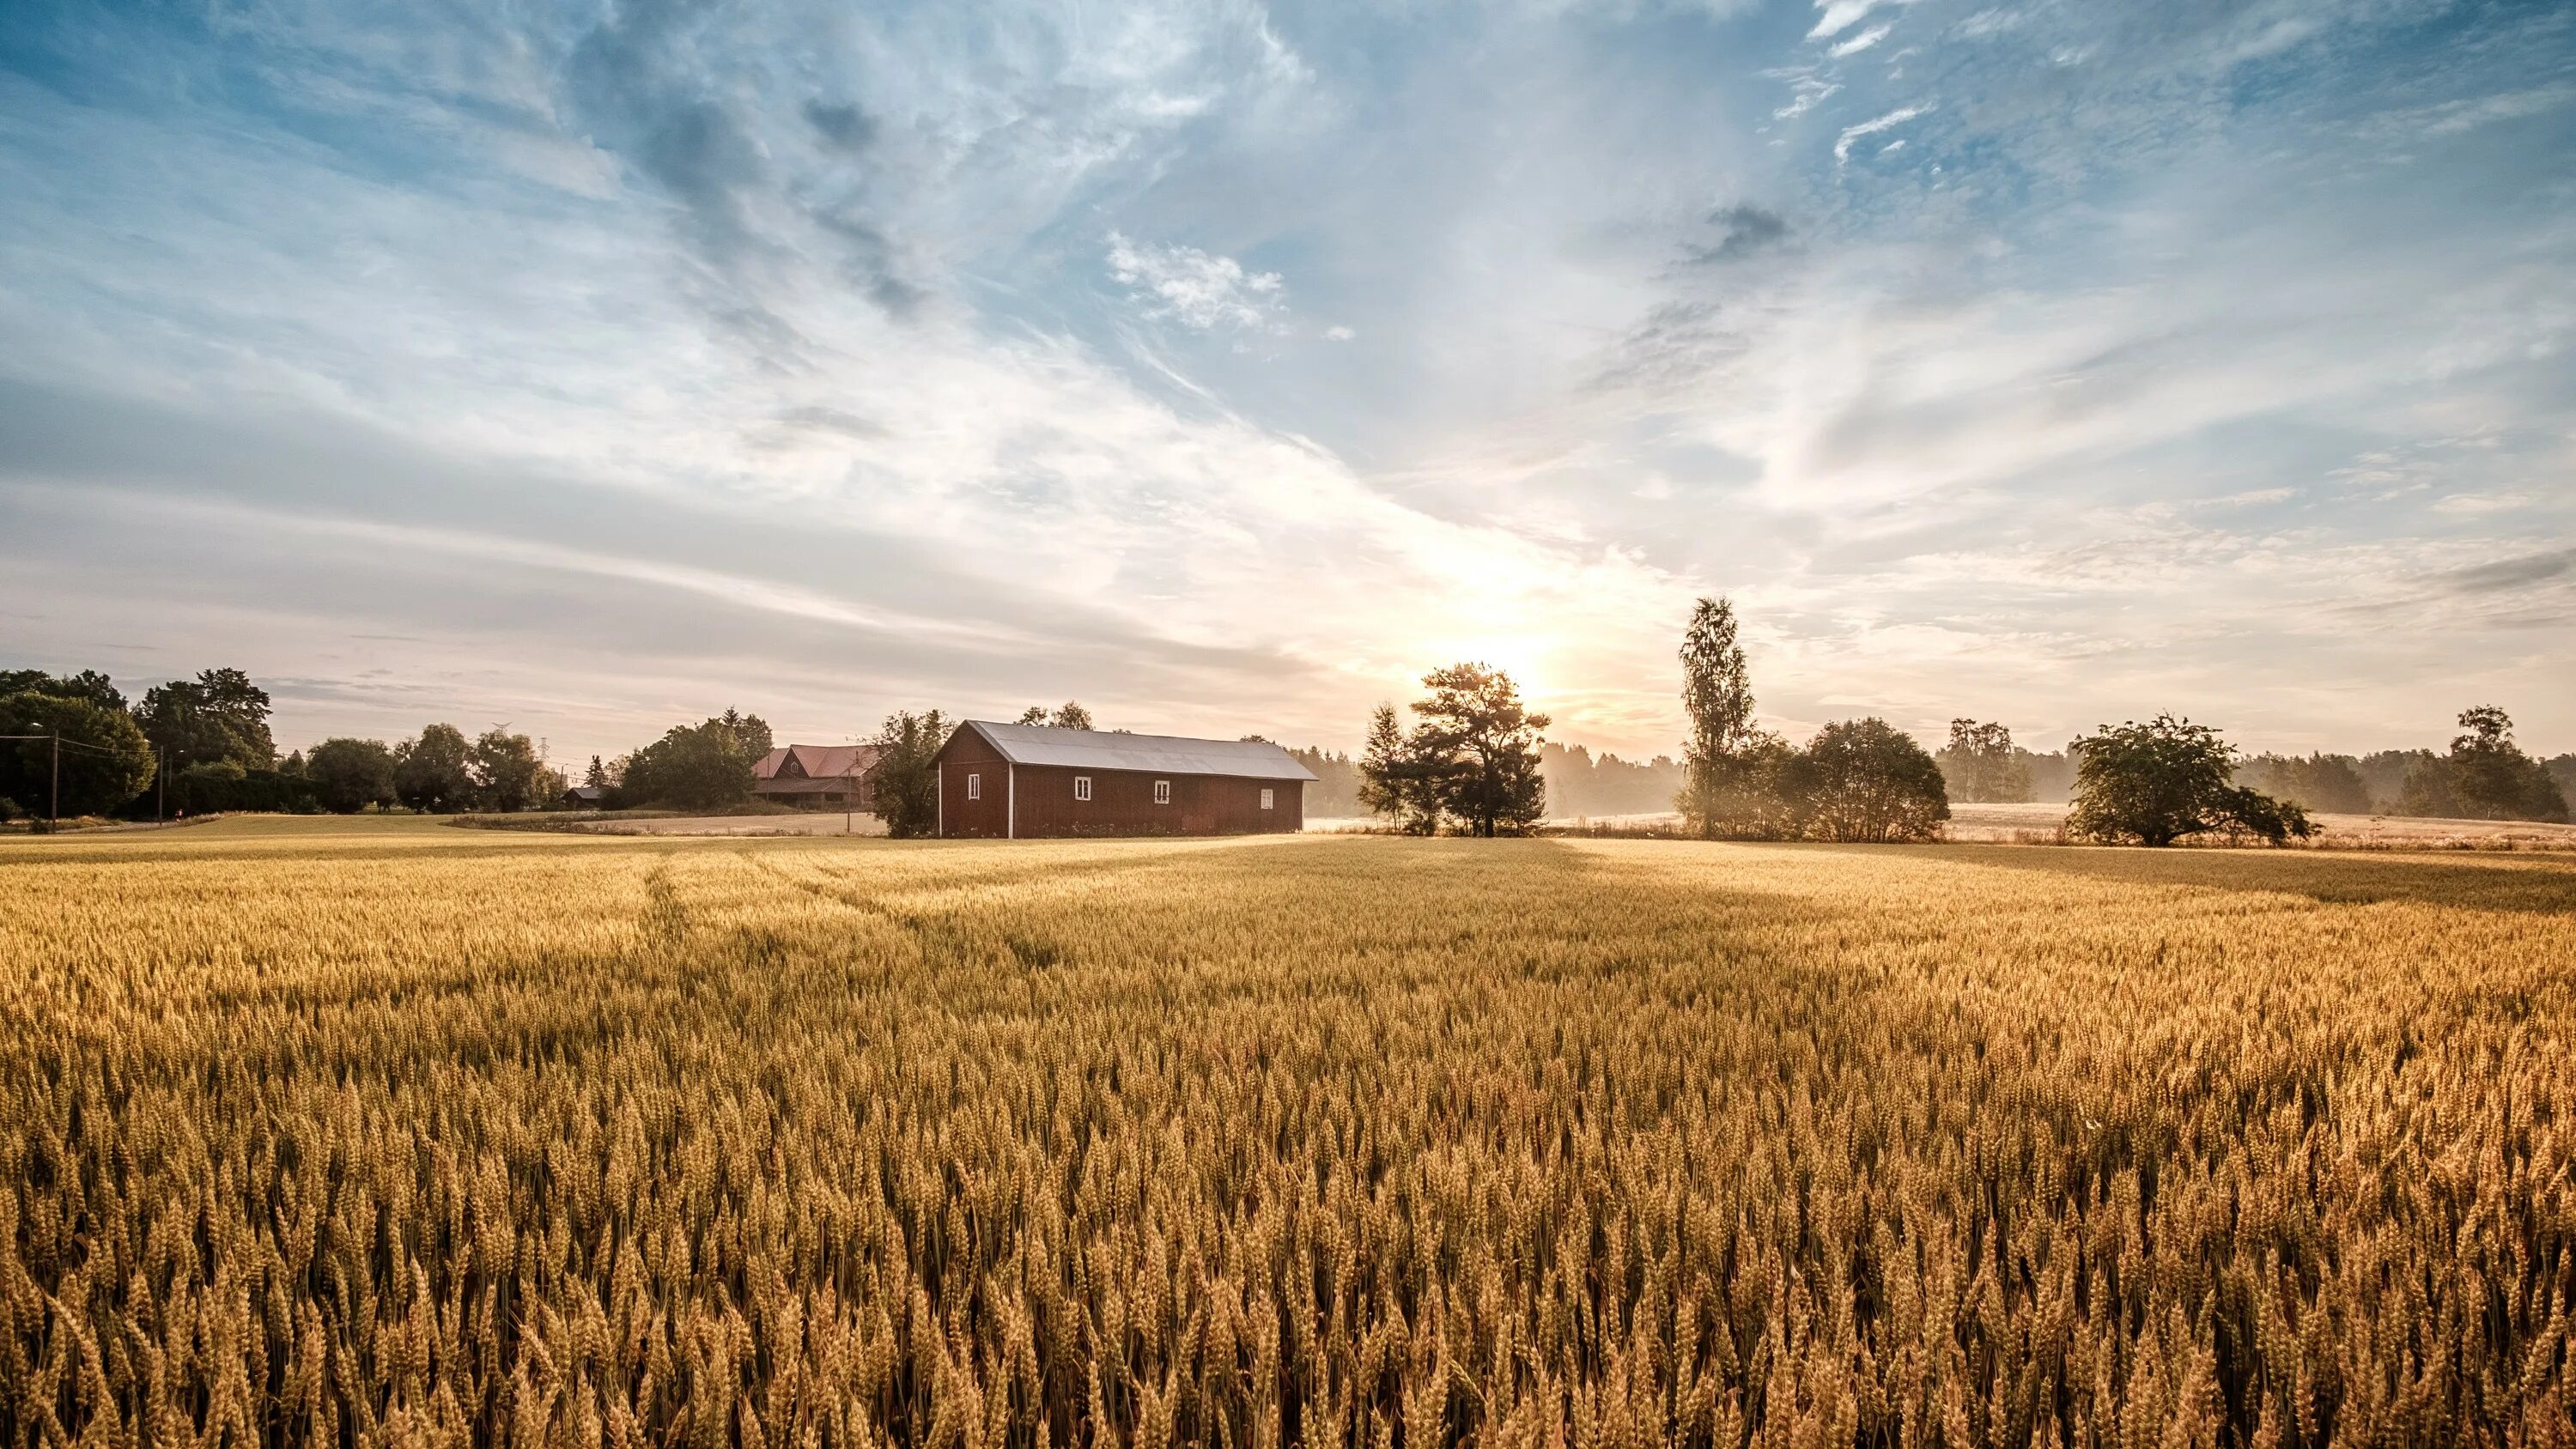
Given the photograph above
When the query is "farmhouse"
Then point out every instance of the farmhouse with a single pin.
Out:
(817, 777)
(1006, 782)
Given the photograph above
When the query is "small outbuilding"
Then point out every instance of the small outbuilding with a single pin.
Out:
(1010, 782)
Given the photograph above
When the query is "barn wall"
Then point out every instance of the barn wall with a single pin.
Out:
(1122, 803)
(986, 819)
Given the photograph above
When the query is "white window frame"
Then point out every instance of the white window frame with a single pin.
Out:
(1265, 797)
(1082, 787)
(1162, 792)
(974, 786)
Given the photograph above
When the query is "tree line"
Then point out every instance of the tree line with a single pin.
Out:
(204, 745)
(1474, 762)
(2484, 775)
(1474, 759)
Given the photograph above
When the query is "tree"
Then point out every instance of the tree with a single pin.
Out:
(1981, 765)
(596, 777)
(349, 775)
(217, 716)
(2486, 776)
(507, 772)
(699, 767)
(88, 685)
(1866, 780)
(1069, 716)
(905, 779)
(1394, 784)
(1721, 756)
(2157, 782)
(1477, 748)
(103, 760)
(435, 774)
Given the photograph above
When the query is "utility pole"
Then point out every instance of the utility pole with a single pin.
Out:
(55, 805)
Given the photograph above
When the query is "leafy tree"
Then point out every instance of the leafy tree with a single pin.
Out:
(435, 773)
(905, 778)
(1069, 716)
(699, 767)
(749, 731)
(1866, 780)
(507, 774)
(1394, 783)
(1478, 748)
(2157, 782)
(596, 777)
(1726, 752)
(1981, 765)
(219, 715)
(88, 685)
(105, 761)
(2486, 776)
(349, 775)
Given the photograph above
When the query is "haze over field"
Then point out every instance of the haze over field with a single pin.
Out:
(1225, 367)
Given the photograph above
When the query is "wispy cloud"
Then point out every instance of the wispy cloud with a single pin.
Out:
(1851, 134)
(1840, 15)
(1806, 93)
(1860, 42)
(1195, 288)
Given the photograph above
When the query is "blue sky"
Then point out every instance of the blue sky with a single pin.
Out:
(595, 366)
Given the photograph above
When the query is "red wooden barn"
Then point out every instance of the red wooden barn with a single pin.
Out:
(1009, 782)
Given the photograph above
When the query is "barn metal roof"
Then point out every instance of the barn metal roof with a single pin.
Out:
(1160, 754)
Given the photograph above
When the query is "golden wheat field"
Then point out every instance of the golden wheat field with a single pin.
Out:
(386, 1133)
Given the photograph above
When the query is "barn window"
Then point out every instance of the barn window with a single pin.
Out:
(1162, 792)
(1082, 787)
(1265, 799)
(974, 787)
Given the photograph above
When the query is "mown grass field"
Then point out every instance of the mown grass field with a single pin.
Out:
(334, 1133)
